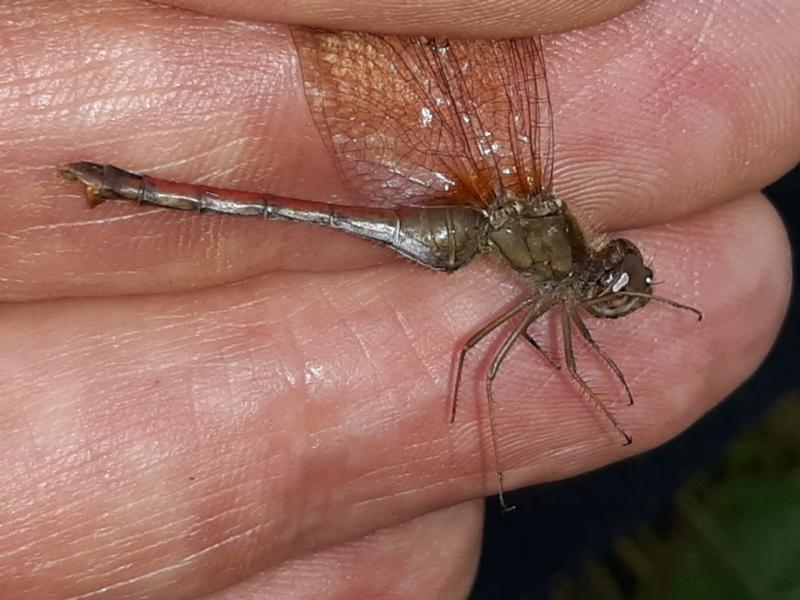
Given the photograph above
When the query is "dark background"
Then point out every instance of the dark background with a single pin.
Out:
(560, 526)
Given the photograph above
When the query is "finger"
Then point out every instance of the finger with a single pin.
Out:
(492, 18)
(224, 107)
(679, 118)
(158, 437)
(433, 556)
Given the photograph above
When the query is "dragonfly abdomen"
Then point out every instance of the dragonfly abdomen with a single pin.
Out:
(439, 237)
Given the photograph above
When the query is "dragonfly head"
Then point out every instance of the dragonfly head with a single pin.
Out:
(624, 284)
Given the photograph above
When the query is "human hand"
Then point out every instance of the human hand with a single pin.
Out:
(191, 401)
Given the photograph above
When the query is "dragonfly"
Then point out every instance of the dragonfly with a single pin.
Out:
(450, 145)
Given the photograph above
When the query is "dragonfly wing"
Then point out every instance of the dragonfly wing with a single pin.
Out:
(415, 120)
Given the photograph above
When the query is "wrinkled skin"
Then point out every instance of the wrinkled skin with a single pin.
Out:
(201, 405)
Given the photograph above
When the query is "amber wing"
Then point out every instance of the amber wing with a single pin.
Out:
(414, 120)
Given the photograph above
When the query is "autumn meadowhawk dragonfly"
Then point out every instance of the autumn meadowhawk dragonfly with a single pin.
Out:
(452, 143)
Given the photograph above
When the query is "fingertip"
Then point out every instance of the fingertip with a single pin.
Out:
(453, 18)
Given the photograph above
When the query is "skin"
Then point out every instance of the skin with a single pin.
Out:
(198, 405)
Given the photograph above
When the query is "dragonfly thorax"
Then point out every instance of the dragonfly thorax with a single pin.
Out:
(536, 236)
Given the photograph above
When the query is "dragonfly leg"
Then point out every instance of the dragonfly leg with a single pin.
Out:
(584, 331)
(519, 331)
(546, 356)
(472, 341)
(569, 358)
